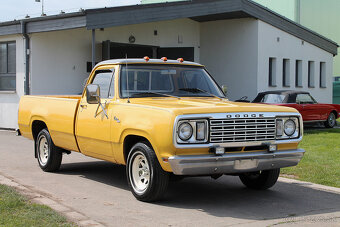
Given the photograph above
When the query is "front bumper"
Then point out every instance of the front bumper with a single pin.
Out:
(233, 163)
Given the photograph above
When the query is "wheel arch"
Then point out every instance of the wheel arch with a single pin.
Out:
(37, 126)
(130, 140)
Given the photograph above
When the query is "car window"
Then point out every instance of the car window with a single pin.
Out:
(273, 98)
(105, 81)
(304, 99)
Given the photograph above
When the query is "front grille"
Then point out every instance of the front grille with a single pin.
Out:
(242, 130)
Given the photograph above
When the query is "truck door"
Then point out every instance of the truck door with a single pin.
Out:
(93, 126)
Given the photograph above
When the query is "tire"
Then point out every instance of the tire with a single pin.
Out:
(260, 180)
(331, 121)
(146, 178)
(49, 156)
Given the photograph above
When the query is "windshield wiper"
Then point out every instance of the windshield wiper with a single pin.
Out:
(154, 93)
(198, 90)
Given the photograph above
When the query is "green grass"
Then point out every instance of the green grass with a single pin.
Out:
(321, 162)
(15, 210)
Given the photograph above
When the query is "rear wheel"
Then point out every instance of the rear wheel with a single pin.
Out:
(49, 156)
(331, 121)
(146, 178)
(260, 180)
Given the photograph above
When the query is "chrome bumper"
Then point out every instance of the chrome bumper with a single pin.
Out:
(232, 163)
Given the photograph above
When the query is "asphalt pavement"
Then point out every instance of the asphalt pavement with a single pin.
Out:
(98, 190)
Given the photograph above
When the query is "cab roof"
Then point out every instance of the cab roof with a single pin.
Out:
(142, 61)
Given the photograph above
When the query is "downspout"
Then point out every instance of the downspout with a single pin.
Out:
(27, 57)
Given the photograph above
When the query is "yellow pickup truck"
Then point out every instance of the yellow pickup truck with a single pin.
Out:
(163, 119)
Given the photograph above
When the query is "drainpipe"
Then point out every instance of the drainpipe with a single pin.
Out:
(93, 48)
(27, 57)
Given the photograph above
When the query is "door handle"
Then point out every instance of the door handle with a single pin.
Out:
(83, 105)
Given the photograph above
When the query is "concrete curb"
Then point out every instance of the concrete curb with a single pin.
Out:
(310, 185)
(37, 197)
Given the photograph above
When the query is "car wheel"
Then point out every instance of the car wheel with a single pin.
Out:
(49, 156)
(260, 180)
(331, 121)
(146, 178)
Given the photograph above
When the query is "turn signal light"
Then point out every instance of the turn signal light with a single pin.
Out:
(164, 58)
(181, 60)
(146, 58)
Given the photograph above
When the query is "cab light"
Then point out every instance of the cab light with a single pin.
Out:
(146, 58)
(200, 130)
(181, 60)
(164, 59)
(279, 127)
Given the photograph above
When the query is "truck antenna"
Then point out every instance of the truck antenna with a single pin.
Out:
(127, 77)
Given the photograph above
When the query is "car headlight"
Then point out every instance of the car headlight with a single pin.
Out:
(287, 127)
(185, 131)
(192, 131)
(290, 127)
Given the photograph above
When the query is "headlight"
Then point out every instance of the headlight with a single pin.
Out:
(290, 127)
(192, 131)
(185, 131)
(287, 127)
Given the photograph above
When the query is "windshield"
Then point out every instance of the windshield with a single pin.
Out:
(273, 98)
(166, 80)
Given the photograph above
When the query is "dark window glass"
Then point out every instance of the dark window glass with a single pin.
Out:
(103, 79)
(7, 66)
(304, 99)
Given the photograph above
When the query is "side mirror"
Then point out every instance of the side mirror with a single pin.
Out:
(224, 89)
(93, 94)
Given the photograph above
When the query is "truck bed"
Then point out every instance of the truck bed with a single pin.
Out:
(58, 112)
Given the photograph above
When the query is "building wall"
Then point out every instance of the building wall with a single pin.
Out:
(292, 48)
(229, 51)
(9, 100)
(59, 58)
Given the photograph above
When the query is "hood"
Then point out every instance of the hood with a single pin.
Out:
(206, 105)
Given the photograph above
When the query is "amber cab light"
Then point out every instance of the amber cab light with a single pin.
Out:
(146, 58)
(164, 58)
(181, 60)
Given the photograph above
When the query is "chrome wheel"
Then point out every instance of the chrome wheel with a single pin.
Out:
(331, 119)
(139, 172)
(43, 150)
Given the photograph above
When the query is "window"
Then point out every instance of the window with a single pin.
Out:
(273, 98)
(304, 99)
(286, 73)
(105, 80)
(272, 72)
(311, 70)
(298, 73)
(8, 66)
(322, 74)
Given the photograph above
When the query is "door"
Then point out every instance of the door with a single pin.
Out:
(93, 126)
(308, 107)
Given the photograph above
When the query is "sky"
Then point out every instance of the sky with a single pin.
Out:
(18, 9)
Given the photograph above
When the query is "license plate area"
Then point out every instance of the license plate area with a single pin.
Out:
(245, 164)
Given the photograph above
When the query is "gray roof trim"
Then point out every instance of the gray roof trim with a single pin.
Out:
(258, 11)
(47, 23)
(118, 16)
(56, 24)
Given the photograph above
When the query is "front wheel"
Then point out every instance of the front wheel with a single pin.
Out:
(49, 156)
(146, 178)
(260, 180)
(331, 121)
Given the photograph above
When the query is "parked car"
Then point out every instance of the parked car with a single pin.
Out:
(309, 108)
(163, 118)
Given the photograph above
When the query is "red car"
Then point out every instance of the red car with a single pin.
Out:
(311, 110)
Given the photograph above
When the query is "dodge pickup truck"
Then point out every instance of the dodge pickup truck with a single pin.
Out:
(163, 119)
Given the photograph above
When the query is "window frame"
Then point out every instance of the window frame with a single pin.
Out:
(112, 80)
(272, 72)
(7, 73)
(323, 76)
(311, 74)
(285, 72)
(298, 73)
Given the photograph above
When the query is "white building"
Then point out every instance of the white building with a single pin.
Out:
(243, 45)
